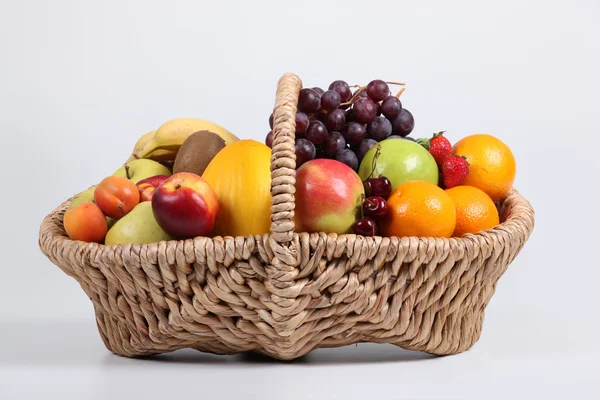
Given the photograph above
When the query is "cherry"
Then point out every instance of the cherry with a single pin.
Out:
(380, 187)
(375, 207)
(366, 226)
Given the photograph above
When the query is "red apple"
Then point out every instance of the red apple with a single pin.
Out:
(148, 186)
(328, 197)
(185, 206)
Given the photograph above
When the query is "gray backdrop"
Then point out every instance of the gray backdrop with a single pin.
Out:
(82, 80)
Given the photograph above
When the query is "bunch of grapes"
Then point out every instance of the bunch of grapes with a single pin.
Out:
(340, 125)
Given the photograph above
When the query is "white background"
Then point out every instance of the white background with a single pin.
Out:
(82, 80)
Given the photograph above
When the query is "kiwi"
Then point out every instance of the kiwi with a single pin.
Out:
(197, 151)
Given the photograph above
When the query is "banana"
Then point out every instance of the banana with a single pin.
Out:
(169, 137)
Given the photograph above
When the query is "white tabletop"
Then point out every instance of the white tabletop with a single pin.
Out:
(517, 357)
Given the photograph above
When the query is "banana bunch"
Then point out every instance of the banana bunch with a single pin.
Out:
(163, 144)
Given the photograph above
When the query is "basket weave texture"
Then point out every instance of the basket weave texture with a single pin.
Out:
(287, 293)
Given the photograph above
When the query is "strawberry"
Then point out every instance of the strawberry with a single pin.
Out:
(454, 170)
(438, 146)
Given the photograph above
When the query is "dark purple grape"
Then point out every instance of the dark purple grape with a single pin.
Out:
(302, 122)
(379, 129)
(378, 90)
(403, 124)
(269, 139)
(409, 138)
(316, 132)
(366, 226)
(364, 110)
(354, 132)
(271, 121)
(334, 144)
(395, 137)
(363, 147)
(363, 93)
(348, 157)
(309, 101)
(343, 90)
(305, 151)
(321, 116)
(349, 115)
(335, 120)
(320, 153)
(330, 100)
(390, 107)
(319, 91)
(378, 113)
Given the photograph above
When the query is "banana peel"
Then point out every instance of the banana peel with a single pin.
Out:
(164, 143)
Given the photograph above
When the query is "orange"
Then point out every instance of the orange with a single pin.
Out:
(475, 210)
(492, 166)
(419, 208)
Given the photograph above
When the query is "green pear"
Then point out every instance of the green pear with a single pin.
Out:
(139, 226)
(137, 170)
(85, 196)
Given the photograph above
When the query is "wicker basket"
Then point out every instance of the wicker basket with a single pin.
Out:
(286, 294)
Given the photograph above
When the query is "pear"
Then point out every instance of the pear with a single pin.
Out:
(138, 226)
(83, 197)
(137, 170)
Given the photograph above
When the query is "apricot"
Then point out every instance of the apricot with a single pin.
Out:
(116, 196)
(86, 222)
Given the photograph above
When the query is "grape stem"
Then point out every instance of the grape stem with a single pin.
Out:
(396, 83)
(356, 95)
(400, 92)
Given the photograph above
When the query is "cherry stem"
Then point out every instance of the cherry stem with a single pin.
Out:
(400, 92)
(375, 157)
(362, 201)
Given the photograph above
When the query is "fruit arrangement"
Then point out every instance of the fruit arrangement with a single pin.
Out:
(358, 172)
(280, 262)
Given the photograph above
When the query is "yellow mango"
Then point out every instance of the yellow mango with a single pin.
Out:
(240, 175)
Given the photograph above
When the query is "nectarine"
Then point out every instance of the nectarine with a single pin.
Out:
(85, 222)
(116, 196)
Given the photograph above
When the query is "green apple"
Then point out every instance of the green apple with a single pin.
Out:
(137, 170)
(400, 161)
(138, 226)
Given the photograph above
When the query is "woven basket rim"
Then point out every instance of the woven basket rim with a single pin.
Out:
(522, 206)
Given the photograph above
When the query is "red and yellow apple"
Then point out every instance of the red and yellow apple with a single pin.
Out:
(185, 206)
(328, 196)
(85, 222)
(116, 196)
(147, 186)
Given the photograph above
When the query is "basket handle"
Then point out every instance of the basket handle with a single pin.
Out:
(283, 159)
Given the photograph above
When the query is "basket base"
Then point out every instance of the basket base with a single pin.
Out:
(456, 334)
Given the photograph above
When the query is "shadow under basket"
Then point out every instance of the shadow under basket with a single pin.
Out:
(285, 294)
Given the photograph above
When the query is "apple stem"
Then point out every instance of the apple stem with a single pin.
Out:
(127, 173)
(121, 208)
